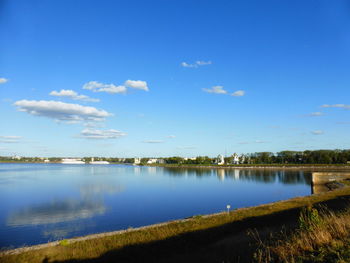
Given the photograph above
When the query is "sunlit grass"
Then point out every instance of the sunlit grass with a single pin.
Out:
(325, 240)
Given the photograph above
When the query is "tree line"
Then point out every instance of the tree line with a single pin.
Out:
(283, 157)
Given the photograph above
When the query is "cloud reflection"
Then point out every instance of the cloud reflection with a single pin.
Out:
(90, 203)
(56, 212)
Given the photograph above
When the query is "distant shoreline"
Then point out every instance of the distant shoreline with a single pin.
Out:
(260, 166)
(247, 166)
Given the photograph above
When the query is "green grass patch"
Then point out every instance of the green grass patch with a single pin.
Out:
(64, 242)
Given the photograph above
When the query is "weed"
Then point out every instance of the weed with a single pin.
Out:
(309, 218)
(64, 242)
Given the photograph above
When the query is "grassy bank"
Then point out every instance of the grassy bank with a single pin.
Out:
(182, 240)
(322, 236)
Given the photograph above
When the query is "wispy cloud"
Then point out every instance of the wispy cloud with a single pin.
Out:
(238, 93)
(216, 90)
(203, 63)
(186, 147)
(252, 142)
(171, 136)
(136, 84)
(153, 141)
(72, 95)
(3, 80)
(260, 141)
(315, 114)
(101, 134)
(61, 111)
(343, 122)
(344, 106)
(96, 86)
(196, 64)
(221, 90)
(317, 132)
(10, 139)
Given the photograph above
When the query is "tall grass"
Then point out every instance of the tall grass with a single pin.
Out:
(320, 238)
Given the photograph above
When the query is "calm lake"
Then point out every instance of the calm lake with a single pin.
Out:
(46, 202)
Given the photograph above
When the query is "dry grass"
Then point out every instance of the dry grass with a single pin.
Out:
(326, 239)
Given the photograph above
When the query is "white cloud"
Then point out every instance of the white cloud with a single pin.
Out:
(171, 136)
(317, 132)
(96, 86)
(61, 111)
(216, 90)
(259, 141)
(343, 122)
(186, 65)
(315, 114)
(251, 142)
(344, 106)
(238, 93)
(101, 134)
(3, 80)
(186, 147)
(10, 139)
(136, 84)
(203, 63)
(153, 141)
(72, 95)
(196, 64)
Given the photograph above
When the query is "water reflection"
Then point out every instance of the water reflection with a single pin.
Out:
(55, 232)
(60, 201)
(94, 190)
(261, 176)
(56, 212)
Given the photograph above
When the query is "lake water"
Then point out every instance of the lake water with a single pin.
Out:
(46, 202)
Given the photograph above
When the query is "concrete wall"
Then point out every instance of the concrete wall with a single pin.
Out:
(323, 177)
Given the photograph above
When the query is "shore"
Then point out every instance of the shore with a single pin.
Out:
(312, 167)
(173, 238)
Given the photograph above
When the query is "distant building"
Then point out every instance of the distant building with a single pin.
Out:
(190, 158)
(160, 161)
(152, 161)
(46, 161)
(220, 160)
(156, 160)
(235, 158)
(72, 161)
(16, 157)
(137, 161)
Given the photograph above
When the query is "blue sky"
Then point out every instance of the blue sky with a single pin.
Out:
(165, 78)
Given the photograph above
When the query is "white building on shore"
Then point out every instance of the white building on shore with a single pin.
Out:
(235, 158)
(72, 161)
(220, 160)
(137, 161)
